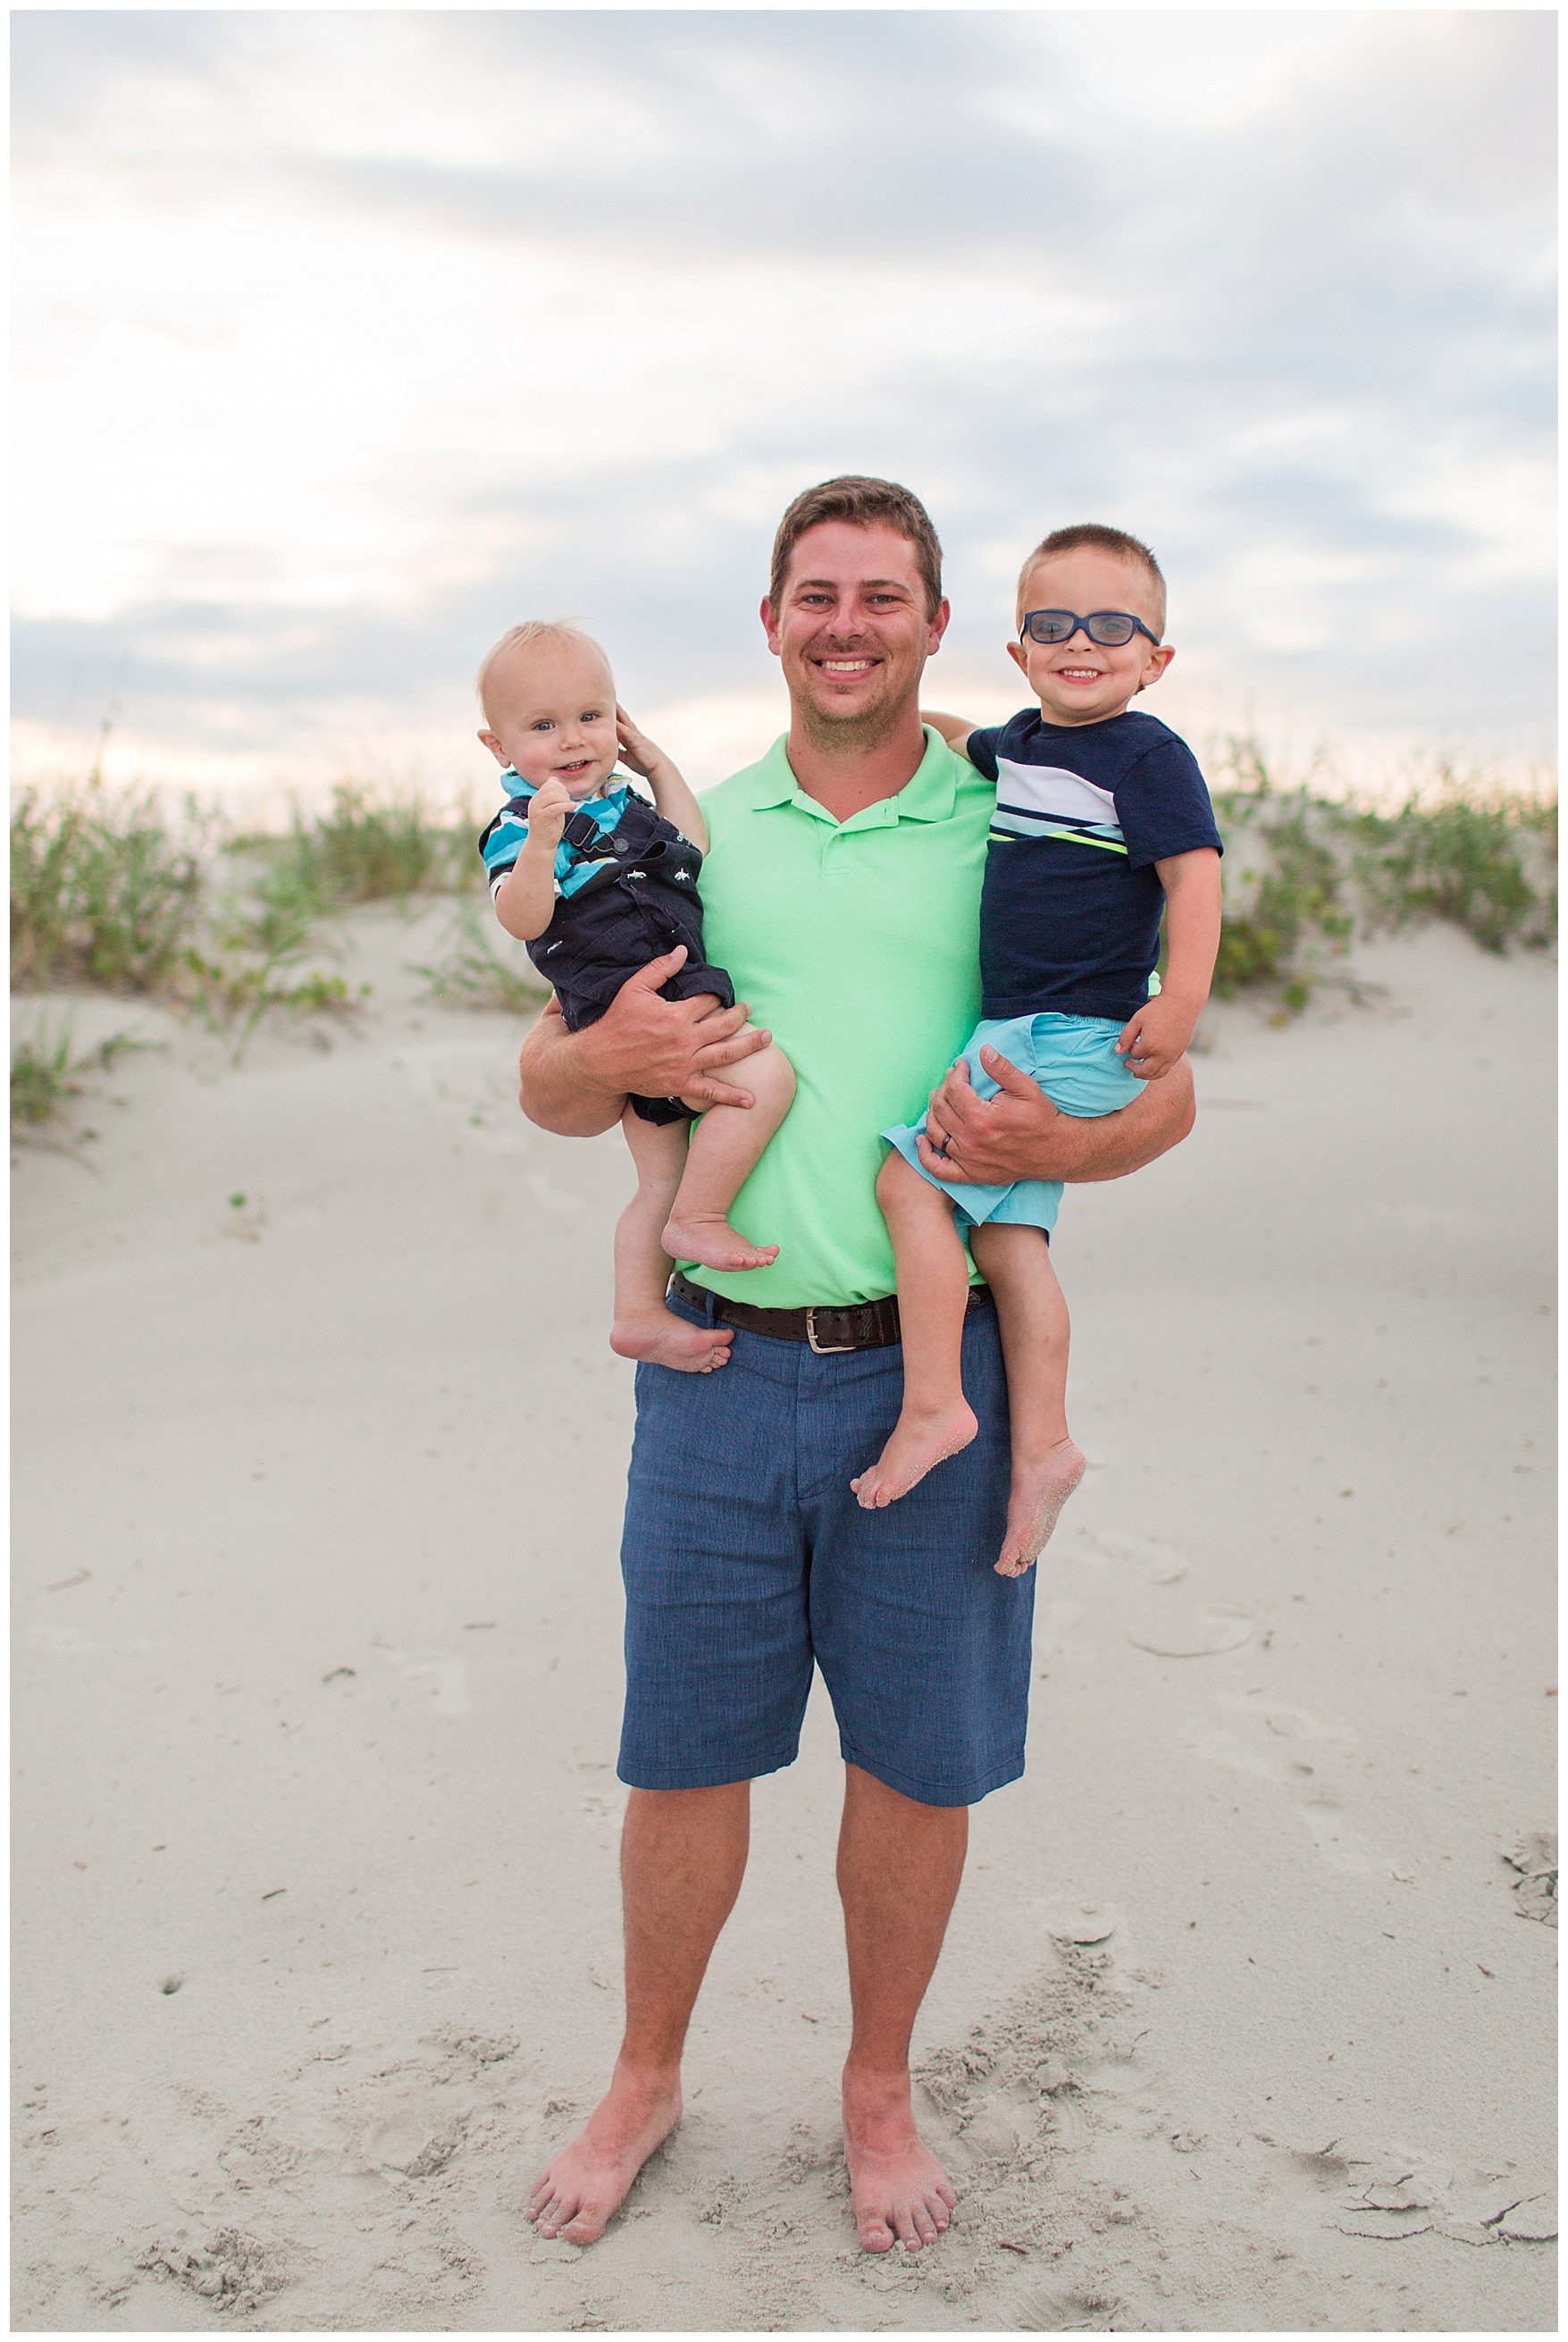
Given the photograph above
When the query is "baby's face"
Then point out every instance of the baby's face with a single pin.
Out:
(552, 716)
(1078, 681)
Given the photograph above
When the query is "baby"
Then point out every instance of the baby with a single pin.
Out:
(1103, 821)
(596, 883)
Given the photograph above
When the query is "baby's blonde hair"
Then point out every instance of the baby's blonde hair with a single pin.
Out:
(527, 638)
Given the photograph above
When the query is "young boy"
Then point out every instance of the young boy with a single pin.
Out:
(596, 883)
(1103, 820)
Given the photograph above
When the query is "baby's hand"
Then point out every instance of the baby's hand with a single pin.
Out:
(1153, 1039)
(547, 812)
(637, 750)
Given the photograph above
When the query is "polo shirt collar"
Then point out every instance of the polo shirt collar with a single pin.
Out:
(929, 795)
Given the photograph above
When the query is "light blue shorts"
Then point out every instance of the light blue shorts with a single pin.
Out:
(1074, 1061)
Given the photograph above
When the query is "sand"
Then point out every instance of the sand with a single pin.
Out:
(1245, 2022)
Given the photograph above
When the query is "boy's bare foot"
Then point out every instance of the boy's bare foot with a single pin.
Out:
(1040, 1489)
(580, 2190)
(666, 1340)
(918, 1442)
(900, 2192)
(711, 1240)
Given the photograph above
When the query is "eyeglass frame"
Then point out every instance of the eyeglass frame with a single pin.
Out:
(1055, 642)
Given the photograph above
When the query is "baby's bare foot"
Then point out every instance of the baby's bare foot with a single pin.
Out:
(900, 2192)
(1040, 1489)
(666, 1340)
(580, 2190)
(710, 1239)
(918, 1442)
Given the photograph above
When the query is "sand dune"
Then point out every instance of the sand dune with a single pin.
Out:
(1245, 2021)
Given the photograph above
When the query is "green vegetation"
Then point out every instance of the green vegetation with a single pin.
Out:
(103, 892)
(366, 851)
(471, 973)
(108, 891)
(1305, 873)
(44, 1071)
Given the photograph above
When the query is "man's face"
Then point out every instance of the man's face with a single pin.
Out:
(552, 710)
(852, 630)
(1080, 682)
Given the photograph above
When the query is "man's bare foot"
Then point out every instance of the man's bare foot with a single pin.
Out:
(666, 1340)
(581, 2189)
(1040, 1489)
(710, 1239)
(900, 2192)
(918, 1442)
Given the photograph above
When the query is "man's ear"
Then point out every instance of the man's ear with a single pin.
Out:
(1019, 656)
(942, 612)
(494, 745)
(769, 628)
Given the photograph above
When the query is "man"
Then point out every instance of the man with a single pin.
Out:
(842, 891)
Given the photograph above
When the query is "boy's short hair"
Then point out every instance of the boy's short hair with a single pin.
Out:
(1114, 541)
(527, 638)
(863, 503)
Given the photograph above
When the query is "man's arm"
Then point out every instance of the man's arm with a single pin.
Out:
(1020, 1134)
(575, 1083)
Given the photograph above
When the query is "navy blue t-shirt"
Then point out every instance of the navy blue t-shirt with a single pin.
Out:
(1070, 914)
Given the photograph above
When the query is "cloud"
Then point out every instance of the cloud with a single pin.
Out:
(353, 338)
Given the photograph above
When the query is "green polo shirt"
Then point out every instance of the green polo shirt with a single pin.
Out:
(857, 944)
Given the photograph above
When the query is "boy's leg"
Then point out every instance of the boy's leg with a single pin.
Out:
(683, 1857)
(936, 1420)
(1015, 1262)
(643, 1327)
(724, 1152)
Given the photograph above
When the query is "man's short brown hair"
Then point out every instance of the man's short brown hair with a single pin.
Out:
(1113, 541)
(864, 504)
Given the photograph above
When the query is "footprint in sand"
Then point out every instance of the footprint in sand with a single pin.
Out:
(1274, 1741)
(1387, 2192)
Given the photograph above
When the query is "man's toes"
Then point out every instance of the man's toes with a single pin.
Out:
(587, 2228)
(924, 2226)
(875, 2235)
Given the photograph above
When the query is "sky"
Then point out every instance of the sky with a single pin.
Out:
(344, 340)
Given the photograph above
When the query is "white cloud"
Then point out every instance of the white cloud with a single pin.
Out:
(346, 338)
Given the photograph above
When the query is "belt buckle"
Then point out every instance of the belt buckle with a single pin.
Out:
(823, 1349)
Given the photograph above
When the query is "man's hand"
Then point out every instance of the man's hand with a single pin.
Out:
(577, 1083)
(1020, 1134)
(1157, 1039)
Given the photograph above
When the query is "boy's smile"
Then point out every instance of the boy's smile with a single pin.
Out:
(552, 711)
(1078, 681)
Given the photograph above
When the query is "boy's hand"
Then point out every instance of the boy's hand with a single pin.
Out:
(1155, 1039)
(547, 812)
(636, 748)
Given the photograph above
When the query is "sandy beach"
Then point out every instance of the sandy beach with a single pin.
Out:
(1244, 2023)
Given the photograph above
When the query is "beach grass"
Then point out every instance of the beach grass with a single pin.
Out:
(46, 1072)
(469, 971)
(106, 892)
(111, 891)
(1307, 872)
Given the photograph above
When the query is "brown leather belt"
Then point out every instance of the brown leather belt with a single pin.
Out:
(868, 1325)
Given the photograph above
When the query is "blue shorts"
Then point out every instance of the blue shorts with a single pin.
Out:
(747, 1560)
(1074, 1061)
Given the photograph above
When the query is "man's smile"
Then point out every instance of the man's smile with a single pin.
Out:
(845, 667)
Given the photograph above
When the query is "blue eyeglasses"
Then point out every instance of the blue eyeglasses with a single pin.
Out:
(1109, 628)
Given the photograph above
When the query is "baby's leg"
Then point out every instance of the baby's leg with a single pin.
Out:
(1015, 1262)
(933, 1295)
(643, 1327)
(723, 1153)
